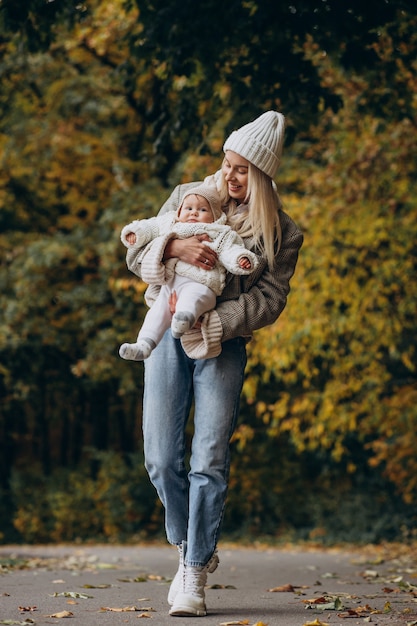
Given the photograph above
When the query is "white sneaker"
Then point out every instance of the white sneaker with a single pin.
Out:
(178, 578)
(176, 583)
(190, 598)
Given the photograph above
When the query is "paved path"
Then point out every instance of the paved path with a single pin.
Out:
(91, 586)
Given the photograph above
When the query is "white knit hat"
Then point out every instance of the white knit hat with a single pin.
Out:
(260, 142)
(210, 193)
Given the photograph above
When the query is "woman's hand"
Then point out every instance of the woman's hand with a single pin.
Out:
(192, 250)
(172, 302)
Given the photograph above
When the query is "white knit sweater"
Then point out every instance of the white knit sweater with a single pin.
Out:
(224, 241)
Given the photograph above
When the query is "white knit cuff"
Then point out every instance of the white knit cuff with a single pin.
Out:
(153, 268)
(125, 231)
(134, 227)
(204, 343)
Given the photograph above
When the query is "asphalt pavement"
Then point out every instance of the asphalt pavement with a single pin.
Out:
(260, 586)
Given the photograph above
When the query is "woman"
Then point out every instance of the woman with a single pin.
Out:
(207, 364)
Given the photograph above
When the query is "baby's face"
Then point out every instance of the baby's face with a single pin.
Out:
(195, 209)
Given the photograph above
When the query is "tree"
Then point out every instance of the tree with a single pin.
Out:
(105, 106)
(348, 366)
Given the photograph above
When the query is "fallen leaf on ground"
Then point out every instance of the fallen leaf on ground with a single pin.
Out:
(12, 622)
(406, 586)
(288, 587)
(125, 609)
(325, 604)
(369, 573)
(28, 608)
(242, 622)
(387, 607)
(316, 622)
(351, 613)
(62, 614)
(319, 600)
(364, 609)
(72, 594)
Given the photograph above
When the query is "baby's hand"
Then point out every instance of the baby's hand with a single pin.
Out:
(131, 238)
(244, 263)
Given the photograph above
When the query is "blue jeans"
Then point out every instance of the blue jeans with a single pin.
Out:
(193, 498)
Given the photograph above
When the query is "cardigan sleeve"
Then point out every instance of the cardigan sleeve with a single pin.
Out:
(140, 256)
(241, 311)
(264, 295)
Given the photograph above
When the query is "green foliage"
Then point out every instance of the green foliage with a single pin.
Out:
(288, 495)
(34, 21)
(349, 360)
(101, 108)
(251, 60)
(108, 499)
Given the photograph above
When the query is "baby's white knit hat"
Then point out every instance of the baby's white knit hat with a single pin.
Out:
(260, 142)
(210, 193)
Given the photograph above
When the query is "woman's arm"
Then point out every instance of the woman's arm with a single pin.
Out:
(264, 293)
(191, 250)
(249, 303)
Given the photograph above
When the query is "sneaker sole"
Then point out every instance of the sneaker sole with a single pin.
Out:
(186, 611)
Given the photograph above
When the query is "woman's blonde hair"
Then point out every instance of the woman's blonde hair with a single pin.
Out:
(261, 220)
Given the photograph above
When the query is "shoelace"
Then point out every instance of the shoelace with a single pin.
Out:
(181, 553)
(194, 580)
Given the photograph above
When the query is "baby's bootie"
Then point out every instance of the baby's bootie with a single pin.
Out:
(181, 322)
(138, 351)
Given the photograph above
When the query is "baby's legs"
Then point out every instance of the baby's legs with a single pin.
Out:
(193, 299)
(156, 322)
(158, 318)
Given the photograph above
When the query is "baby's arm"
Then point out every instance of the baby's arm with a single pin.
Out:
(141, 232)
(235, 257)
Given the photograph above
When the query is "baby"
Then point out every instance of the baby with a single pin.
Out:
(195, 288)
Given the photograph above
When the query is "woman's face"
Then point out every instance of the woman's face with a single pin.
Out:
(235, 171)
